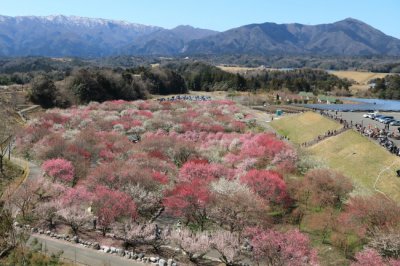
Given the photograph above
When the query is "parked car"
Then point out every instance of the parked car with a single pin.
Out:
(388, 120)
(395, 123)
(369, 115)
(383, 118)
(376, 117)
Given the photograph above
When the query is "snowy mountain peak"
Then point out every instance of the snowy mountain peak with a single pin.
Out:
(79, 22)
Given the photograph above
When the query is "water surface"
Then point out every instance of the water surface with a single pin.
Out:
(361, 105)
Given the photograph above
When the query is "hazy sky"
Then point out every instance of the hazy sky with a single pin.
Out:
(218, 14)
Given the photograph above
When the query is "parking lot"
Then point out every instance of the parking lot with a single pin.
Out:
(357, 117)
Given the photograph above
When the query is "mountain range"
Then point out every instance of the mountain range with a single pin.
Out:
(60, 36)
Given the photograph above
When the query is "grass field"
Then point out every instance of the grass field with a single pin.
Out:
(362, 160)
(10, 174)
(361, 78)
(304, 127)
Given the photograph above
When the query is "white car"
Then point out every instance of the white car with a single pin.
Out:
(369, 115)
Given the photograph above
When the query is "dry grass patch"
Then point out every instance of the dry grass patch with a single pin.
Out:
(304, 127)
(363, 161)
(359, 76)
(237, 69)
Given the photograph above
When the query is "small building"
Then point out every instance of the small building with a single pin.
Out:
(306, 95)
(326, 99)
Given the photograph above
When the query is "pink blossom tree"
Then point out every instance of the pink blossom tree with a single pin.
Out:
(275, 248)
(202, 170)
(368, 257)
(59, 169)
(78, 195)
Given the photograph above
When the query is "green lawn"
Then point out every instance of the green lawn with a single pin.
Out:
(362, 160)
(304, 127)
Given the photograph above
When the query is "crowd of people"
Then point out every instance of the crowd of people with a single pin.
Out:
(186, 98)
(329, 133)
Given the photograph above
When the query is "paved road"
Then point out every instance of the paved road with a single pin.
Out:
(81, 255)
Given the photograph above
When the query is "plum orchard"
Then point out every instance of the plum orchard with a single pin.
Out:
(202, 163)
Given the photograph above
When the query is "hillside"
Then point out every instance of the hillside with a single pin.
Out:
(304, 127)
(166, 42)
(350, 153)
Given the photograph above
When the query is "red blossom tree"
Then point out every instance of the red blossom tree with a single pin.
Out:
(262, 145)
(160, 177)
(111, 205)
(189, 201)
(59, 169)
(269, 185)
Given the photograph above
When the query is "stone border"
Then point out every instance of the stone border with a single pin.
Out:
(139, 257)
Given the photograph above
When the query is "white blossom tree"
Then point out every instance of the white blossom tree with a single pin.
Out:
(194, 244)
(75, 217)
(146, 234)
(228, 246)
